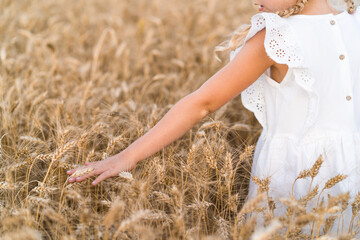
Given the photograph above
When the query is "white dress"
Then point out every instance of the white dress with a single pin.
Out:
(314, 110)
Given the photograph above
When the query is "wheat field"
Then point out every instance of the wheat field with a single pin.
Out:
(81, 80)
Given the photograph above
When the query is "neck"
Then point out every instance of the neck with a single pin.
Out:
(317, 7)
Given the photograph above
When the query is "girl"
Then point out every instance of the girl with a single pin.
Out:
(297, 69)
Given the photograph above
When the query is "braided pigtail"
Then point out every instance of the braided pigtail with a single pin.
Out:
(298, 7)
(350, 5)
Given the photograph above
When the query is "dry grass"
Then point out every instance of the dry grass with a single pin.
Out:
(81, 80)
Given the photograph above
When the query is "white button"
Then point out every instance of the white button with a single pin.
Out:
(342, 57)
(332, 22)
(348, 98)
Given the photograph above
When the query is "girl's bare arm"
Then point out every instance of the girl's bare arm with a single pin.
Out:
(227, 83)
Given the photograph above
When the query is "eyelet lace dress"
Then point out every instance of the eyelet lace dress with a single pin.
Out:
(313, 111)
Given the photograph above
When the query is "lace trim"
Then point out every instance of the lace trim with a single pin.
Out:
(283, 48)
(280, 43)
(253, 98)
(305, 79)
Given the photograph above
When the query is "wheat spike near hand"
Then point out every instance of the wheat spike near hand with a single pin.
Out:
(106, 168)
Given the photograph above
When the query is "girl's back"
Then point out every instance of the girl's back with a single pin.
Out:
(313, 111)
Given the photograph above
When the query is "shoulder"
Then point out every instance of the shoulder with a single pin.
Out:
(255, 45)
(253, 55)
(278, 37)
(265, 25)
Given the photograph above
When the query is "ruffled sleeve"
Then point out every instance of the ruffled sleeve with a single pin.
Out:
(280, 43)
(282, 46)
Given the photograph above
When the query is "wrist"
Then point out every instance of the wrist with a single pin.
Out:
(127, 155)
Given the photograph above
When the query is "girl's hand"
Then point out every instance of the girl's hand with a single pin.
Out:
(109, 167)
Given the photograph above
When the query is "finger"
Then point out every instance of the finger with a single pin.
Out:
(71, 171)
(90, 174)
(78, 172)
(102, 177)
(89, 163)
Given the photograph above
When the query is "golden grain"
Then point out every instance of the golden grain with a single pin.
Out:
(247, 153)
(37, 200)
(250, 205)
(160, 196)
(134, 218)
(66, 166)
(82, 171)
(73, 194)
(356, 204)
(338, 178)
(223, 228)
(113, 142)
(316, 167)
(6, 186)
(126, 175)
(210, 159)
(266, 232)
(79, 82)
(61, 151)
(46, 190)
(310, 195)
(262, 183)
(305, 219)
(329, 223)
(14, 167)
(44, 157)
(304, 174)
(32, 139)
(200, 205)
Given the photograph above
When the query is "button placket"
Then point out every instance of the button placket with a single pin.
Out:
(344, 64)
(345, 70)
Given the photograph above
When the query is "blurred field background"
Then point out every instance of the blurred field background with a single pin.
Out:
(80, 81)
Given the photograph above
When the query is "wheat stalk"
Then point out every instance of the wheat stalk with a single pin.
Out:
(338, 178)
(126, 175)
(329, 223)
(82, 172)
(262, 183)
(6, 186)
(32, 139)
(223, 227)
(250, 205)
(309, 196)
(355, 207)
(130, 222)
(331, 182)
(46, 190)
(315, 169)
(113, 142)
(61, 151)
(266, 232)
(14, 167)
(302, 174)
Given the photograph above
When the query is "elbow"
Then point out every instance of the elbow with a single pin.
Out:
(204, 105)
(204, 112)
(209, 108)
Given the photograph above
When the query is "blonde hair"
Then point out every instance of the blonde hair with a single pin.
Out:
(238, 36)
